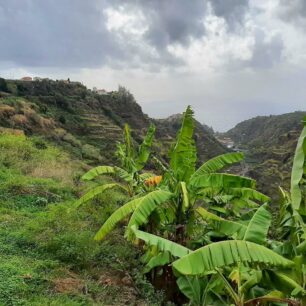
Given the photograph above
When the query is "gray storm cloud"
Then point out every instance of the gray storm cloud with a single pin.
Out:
(55, 33)
(73, 33)
(241, 58)
(294, 11)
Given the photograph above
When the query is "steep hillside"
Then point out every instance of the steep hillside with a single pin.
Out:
(269, 142)
(266, 130)
(87, 124)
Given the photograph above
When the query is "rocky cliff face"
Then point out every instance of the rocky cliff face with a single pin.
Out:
(86, 123)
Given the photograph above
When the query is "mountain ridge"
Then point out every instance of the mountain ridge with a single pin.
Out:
(269, 143)
(83, 120)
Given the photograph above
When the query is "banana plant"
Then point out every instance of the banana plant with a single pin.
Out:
(291, 223)
(171, 211)
(132, 163)
(201, 272)
(186, 188)
(234, 260)
(298, 175)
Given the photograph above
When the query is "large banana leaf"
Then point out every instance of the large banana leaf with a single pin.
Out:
(162, 244)
(160, 259)
(217, 163)
(100, 170)
(298, 169)
(226, 227)
(221, 180)
(94, 172)
(258, 226)
(144, 148)
(183, 154)
(116, 217)
(225, 253)
(147, 205)
(97, 191)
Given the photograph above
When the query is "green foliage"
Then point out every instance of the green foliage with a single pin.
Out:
(132, 162)
(90, 152)
(218, 163)
(162, 244)
(147, 204)
(45, 242)
(141, 207)
(298, 171)
(225, 253)
(144, 148)
(19, 277)
(116, 217)
(200, 291)
(17, 152)
(183, 154)
(100, 170)
(97, 191)
(258, 226)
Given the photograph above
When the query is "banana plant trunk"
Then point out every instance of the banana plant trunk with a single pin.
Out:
(166, 281)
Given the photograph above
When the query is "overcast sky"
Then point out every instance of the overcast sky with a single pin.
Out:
(230, 59)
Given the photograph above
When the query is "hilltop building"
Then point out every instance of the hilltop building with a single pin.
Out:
(99, 91)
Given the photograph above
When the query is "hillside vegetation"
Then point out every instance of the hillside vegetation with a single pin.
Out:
(48, 255)
(85, 123)
(269, 142)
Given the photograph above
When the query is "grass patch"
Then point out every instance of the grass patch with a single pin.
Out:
(48, 255)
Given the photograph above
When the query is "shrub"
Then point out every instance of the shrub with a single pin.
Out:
(90, 152)
(35, 158)
(6, 111)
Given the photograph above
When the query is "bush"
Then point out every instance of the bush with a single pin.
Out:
(90, 152)
(72, 140)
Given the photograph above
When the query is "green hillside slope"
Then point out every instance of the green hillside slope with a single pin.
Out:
(269, 142)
